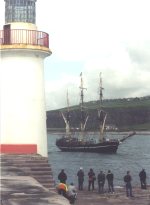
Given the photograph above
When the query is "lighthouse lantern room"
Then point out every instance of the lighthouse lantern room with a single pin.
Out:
(22, 52)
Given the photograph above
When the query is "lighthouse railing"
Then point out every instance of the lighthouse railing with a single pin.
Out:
(22, 36)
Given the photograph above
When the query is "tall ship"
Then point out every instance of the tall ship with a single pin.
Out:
(70, 143)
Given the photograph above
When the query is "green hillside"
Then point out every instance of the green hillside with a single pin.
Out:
(125, 114)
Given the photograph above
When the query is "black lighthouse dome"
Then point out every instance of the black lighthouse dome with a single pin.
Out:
(20, 11)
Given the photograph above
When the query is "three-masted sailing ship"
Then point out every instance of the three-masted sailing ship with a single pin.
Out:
(69, 143)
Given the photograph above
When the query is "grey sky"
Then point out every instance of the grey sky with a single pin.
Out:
(111, 36)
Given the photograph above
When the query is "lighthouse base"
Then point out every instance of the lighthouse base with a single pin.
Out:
(18, 148)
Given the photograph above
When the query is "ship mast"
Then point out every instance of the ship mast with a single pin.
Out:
(67, 118)
(101, 114)
(100, 90)
(83, 119)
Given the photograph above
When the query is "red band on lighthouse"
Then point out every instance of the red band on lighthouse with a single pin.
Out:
(18, 148)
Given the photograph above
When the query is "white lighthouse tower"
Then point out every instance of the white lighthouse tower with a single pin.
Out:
(22, 52)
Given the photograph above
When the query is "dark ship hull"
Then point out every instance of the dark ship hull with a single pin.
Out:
(67, 145)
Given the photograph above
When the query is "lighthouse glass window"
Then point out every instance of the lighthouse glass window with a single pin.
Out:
(20, 11)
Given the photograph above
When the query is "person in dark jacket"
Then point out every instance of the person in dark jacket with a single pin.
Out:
(142, 176)
(92, 179)
(62, 176)
(101, 182)
(127, 180)
(80, 175)
(110, 178)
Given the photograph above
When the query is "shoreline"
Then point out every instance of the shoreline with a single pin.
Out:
(113, 132)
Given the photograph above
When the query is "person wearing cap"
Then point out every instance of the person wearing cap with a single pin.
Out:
(142, 176)
(80, 175)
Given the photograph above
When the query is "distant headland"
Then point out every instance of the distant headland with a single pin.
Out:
(124, 114)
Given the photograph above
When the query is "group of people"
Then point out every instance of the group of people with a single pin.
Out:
(92, 178)
(101, 178)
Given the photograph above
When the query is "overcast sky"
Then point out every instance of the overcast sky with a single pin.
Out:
(93, 36)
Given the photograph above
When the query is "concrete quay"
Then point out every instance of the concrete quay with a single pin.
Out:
(141, 197)
(28, 180)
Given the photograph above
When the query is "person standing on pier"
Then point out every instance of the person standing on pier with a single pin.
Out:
(127, 180)
(80, 175)
(92, 179)
(142, 176)
(110, 178)
(62, 176)
(101, 182)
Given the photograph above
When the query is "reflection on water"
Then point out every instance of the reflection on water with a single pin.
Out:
(133, 154)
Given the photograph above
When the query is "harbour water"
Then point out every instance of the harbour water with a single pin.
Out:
(133, 154)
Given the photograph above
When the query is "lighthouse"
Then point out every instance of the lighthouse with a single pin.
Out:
(22, 98)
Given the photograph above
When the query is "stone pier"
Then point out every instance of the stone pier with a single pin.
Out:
(28, 180)
(141, 197)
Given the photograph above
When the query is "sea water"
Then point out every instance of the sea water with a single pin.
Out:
(133, 154)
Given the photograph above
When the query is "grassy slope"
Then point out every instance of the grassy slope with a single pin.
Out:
(139, 127)
(116, 103)
(120, 103)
